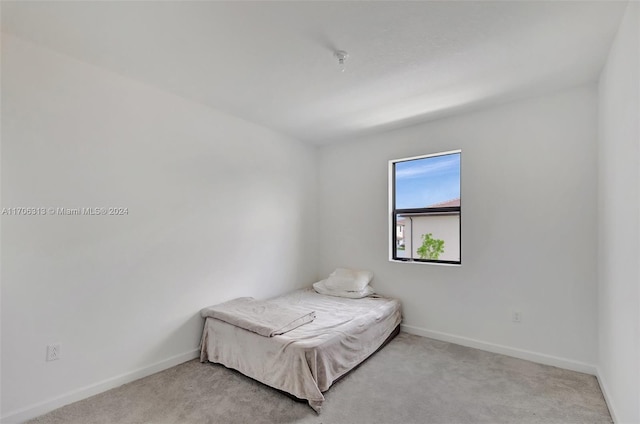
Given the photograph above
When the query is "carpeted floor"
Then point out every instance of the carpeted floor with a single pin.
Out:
(411, 380)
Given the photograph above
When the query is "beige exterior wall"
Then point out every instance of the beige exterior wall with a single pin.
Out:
(444, 227)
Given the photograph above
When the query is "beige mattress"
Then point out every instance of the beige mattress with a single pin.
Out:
(307, 360)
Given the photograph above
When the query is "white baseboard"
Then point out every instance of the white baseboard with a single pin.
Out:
(528, 355)
(19, 416)
(603, 387)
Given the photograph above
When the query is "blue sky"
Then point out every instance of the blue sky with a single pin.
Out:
(423, 182)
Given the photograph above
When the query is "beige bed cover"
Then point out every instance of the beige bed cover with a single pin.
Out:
(307, 360)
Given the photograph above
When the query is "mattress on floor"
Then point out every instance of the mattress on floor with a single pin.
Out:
(307, 360)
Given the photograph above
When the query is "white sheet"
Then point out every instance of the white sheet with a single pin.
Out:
(307, 360)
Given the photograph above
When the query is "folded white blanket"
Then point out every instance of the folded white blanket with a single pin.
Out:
(262, 317)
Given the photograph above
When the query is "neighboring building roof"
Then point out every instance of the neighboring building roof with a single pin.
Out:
(447, 204)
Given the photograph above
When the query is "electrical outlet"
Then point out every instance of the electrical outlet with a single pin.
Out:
(516, 316)
(53, 352)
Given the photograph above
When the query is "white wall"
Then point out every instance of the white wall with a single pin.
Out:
(528, 227)
(123, 293)
(619, 222)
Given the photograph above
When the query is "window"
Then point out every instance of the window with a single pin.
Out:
(424, 204)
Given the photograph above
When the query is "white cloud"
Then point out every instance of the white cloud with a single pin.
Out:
(421, 168)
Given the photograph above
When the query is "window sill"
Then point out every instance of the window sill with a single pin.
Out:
(424, 263)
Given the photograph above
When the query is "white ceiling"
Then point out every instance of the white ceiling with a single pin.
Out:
(272, 62)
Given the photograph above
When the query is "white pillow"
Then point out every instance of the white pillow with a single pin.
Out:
(348, 279)
(321, 288)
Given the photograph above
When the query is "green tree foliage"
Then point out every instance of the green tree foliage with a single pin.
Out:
(431, 248)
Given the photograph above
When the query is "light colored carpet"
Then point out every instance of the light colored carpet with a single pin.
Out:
(411, 380)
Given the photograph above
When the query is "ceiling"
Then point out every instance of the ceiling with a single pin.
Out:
(272, 62)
